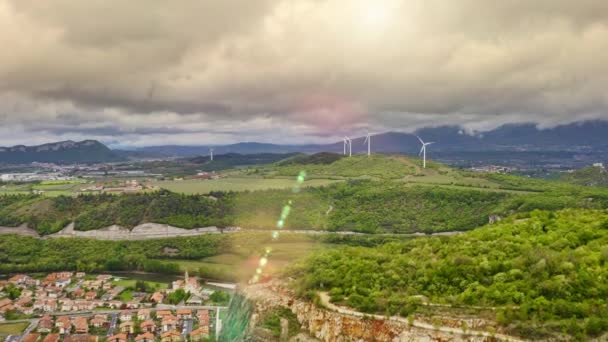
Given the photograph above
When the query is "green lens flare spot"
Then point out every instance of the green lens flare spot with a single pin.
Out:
(285, 212)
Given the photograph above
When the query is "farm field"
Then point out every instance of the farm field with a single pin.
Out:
(129, 282)
(12, 328)
(235, 184)
(452, 179)
(252, 184)
(459, 184)
(12, 189)
(51, 189)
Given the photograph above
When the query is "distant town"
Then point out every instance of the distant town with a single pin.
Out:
(74, 306)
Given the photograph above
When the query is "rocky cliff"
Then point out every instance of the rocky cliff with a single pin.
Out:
(141, 232)
(337, 326)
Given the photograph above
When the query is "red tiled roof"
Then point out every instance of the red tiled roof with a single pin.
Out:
(45, 322)
(170, 333)
(145, 336)
(17, 277)
(77, 338)
(148, 323)
(117, 337)
(81, 323)
(203, 330)
(169, 320)
(31, 338)
(63, 319)
(51, 338)
(5, 302)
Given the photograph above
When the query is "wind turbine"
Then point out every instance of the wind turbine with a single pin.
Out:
(423, 151)
(350, 146)
(211, 153)
(349, 143)
(368, 140)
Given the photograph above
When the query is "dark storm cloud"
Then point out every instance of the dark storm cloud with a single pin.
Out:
(295, 69)
(115, 131)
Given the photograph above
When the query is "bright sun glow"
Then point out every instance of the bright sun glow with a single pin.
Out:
(375, 14)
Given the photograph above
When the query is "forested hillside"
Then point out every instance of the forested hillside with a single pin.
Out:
(48, 215)
(544, 275)
(87, 151)
(362, 206)
(26, 254)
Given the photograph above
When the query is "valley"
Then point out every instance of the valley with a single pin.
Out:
(377, 237)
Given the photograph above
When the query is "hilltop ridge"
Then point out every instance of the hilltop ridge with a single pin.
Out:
(376, 166)
(581, 136)
(86, 151)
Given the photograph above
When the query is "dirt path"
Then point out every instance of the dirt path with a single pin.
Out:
(21, 230)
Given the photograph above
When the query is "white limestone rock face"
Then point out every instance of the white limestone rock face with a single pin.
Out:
(140, 232)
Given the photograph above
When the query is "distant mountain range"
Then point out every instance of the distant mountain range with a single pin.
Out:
(589, 137)
(63, 152)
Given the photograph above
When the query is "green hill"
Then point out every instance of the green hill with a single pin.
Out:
(589, 176)
(376, 166)
(317, 158)
(538, 277)
(369, 206)
(87, 151)
(381, 194)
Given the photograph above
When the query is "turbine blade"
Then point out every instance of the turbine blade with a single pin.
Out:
(422, 142)
(421, 150)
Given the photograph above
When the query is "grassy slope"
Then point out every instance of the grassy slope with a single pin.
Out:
(234, 184)
(589, 176)
(375, 166)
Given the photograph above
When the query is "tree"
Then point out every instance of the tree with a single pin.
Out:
(12, 291)
(220, 297)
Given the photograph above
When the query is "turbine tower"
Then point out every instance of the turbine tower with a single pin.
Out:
(368, 141)
(211, 153)
(423, 151)
(350, 146)
(349, 143)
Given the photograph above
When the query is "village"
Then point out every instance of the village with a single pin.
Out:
(74, 306)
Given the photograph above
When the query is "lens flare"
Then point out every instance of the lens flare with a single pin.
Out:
(280, 224)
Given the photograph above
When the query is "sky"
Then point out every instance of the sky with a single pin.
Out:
(198, 72)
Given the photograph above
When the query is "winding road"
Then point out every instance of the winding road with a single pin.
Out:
(149, 231)
(325, 301)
